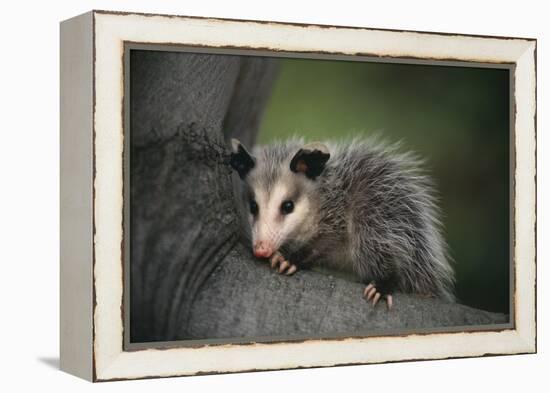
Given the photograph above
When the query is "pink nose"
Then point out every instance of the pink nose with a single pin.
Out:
(262, 250)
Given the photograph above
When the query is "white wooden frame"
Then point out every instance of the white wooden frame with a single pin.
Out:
(92, 88)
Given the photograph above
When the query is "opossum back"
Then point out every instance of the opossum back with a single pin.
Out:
(391, 209)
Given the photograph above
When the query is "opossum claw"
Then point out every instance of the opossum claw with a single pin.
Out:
(279, 263)
(283, 266)
(371, 293)
(276, 259)
(389, 301)
(376, 298)
(367, 289)
(291, 270)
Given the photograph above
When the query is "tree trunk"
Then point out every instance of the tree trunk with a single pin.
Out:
(189, 276)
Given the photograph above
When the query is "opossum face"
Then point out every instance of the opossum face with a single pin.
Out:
(282, 198)
(278, 215)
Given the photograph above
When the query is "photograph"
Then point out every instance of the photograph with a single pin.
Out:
(280, 198)
(245, 195)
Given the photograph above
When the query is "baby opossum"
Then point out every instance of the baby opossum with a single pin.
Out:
(360, 206)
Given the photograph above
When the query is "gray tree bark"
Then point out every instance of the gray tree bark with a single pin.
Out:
(190, 278)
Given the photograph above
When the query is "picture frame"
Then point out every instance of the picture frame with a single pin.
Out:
(94, 320)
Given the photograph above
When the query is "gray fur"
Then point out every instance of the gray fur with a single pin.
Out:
(374, 214)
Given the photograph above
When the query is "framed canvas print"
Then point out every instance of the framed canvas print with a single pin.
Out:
(244, 195)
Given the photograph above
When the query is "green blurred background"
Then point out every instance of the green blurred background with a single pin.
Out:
(455, 117)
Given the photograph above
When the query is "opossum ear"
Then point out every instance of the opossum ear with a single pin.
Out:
(310, 160)
(240, 159)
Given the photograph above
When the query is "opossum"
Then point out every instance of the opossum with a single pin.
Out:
(360, 206)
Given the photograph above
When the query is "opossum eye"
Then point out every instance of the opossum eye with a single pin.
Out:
(287, 207)
(253, 208)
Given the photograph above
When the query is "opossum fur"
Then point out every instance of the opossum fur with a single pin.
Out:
(361, 206)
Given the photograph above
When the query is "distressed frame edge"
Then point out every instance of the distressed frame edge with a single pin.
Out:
(525, 179)
(526, 338)
(129, 346)
(76, 196)
(304, 25)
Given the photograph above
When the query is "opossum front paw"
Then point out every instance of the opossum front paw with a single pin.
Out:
(371, 292)
(281, 265)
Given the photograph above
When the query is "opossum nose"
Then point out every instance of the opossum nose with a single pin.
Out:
(262, 250)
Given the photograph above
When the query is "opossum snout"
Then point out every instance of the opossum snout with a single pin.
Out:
(263, 250)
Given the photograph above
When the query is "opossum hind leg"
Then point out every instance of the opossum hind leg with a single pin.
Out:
(376, 291)
(282, 265)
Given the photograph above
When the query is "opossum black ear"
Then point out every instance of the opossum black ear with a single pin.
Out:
(240, 159)
(310, 160)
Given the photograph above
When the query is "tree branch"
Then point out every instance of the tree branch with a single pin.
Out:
(245, 298)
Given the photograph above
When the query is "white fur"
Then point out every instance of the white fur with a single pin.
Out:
(273, 227)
